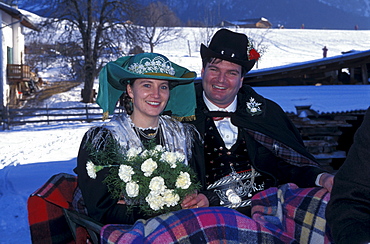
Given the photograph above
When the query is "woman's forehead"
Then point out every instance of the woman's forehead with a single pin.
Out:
(158, 81)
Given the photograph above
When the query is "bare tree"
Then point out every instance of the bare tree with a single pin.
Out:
(158, 25)
(258, 38)
(96, 26)
(203, 35)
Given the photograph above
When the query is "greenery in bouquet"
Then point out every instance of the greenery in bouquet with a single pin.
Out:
(155, 180)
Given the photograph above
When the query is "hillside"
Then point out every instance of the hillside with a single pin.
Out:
(313, 14)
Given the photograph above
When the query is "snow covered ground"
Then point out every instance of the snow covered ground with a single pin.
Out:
(31, 154)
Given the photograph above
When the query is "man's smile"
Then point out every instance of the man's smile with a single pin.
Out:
(219, 87)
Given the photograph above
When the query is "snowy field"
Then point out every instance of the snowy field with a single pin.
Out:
(32, 153)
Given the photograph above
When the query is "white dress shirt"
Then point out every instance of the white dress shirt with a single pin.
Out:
(227, 130)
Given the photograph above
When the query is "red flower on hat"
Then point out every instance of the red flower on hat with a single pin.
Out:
(253, 54)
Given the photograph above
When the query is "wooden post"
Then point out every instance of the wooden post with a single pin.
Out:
(189, 48)
(6, 117)
(365, 76)
(3, 116)
(47, 114)
(352, 75)
(87, 113)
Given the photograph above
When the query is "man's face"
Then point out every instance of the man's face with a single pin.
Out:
(221, 82)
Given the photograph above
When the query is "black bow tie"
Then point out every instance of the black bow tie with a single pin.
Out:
(218, 115)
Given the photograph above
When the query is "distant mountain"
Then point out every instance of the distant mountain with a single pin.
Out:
(313, 14)
(360, 7)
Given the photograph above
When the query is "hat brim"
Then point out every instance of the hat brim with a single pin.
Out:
(117, 72)
(205, 52)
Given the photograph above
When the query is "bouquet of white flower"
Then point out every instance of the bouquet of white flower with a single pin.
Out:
(154, 180)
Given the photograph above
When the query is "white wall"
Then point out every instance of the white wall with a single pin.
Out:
(11, 36)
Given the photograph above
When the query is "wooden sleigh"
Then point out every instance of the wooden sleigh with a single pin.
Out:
(52, 217)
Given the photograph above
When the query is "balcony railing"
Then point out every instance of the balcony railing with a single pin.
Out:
(18, 72)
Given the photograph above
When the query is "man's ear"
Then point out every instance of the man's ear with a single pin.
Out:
(241, 82)
(202, 72)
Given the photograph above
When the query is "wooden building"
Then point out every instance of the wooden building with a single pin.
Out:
(349, 68)
(15, 80)
(247, 23)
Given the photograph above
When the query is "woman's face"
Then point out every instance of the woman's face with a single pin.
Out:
(149, 98)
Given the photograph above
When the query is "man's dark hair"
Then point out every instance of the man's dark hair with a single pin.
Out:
(213, 60)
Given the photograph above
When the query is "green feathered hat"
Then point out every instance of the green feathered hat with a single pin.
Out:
(115, 76)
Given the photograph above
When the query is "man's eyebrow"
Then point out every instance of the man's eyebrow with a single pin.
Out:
(210, 65)
(236, 70)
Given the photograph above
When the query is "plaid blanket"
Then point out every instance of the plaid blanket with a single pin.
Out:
(279, 215)
(45, 214)
(201, 225)
(295, 212)
(287, 214)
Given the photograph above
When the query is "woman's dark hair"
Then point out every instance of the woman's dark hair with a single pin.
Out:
(125, 100)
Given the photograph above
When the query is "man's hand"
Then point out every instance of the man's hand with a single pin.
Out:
(326, 181)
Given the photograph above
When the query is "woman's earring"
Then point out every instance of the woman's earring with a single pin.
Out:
(131, 103)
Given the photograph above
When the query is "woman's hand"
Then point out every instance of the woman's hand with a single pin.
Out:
(195, 201)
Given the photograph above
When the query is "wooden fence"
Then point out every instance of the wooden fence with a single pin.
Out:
(11, 117)
(327, 137)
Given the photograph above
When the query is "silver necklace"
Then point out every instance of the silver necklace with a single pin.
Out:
(147, 136)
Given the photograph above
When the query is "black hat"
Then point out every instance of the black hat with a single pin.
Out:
(233, 47)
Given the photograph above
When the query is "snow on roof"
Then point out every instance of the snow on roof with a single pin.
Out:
(15, 13)
(353, 54)
(322, 99)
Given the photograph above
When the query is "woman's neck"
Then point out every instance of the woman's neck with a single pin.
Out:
(147, 122)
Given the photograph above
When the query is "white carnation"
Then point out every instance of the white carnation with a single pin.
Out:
(170, 158)
(180, 156)
(145, 153)
(125, 172)
(183, 180)
(170, 199)
(159, 148)
(155, 201)
(157, 185)
(90, 167)
(148, 167)
(132, 189)
(133, 152)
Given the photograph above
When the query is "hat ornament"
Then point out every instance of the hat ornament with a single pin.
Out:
(252, 53)
(156, 65)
